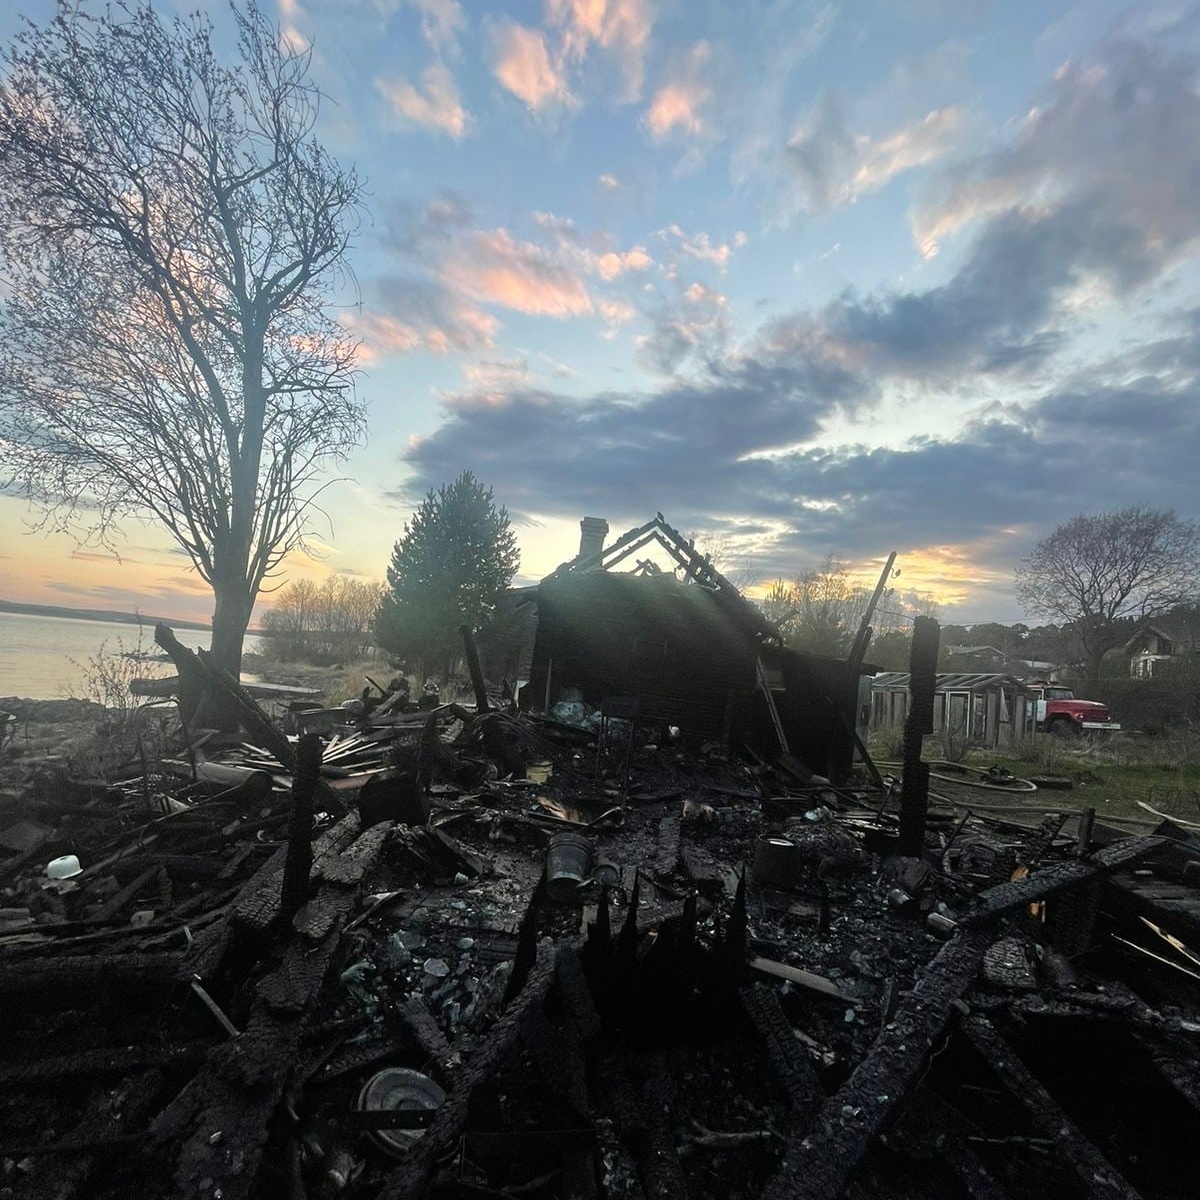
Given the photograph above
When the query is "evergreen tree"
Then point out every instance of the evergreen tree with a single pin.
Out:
(451, 565)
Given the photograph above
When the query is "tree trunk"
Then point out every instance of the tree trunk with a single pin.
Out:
(231, 615)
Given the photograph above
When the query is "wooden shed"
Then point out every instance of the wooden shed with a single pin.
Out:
(990, 709)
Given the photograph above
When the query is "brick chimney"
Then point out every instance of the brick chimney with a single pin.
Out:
(592, 532)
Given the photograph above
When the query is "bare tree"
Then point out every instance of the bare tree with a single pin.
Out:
(1096, 573)
(820, 610)
(172, 234)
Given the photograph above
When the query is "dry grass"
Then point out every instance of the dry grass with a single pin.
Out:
(1112, 774)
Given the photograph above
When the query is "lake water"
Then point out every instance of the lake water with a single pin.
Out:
(46, 658)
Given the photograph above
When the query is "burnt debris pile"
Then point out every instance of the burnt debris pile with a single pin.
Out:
(589, 943)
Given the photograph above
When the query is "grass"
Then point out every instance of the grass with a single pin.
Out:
(1109, 773)
(1113, 774)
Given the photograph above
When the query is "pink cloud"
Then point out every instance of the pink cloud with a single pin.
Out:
(497, 374)
(676, 105)
(457, 327)
(592, 254)
(522, 63)
(290, 37)
(612, 264)
(836, 166)
(913, 146)
(495, 268)
(435, 105)
(616, 312)
(702, 247)
(621, 27)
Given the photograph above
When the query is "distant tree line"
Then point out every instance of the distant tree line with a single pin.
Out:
(322, 623)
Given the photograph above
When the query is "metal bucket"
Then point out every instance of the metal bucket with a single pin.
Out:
(569, 860)
(777, 862)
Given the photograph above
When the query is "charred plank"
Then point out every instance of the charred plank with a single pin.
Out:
(1097, 1175)
(818, 1166)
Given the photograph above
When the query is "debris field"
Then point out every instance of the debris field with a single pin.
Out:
(581, 952)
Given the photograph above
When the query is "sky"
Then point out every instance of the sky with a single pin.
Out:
(807, 277)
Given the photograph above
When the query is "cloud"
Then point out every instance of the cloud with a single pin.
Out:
(451, 272)
(421, 230)
(497, 374)
(613, 263)
(615, 313)
(442, 21)
(831, 165)
(1113, 133)
(702, 247)
(436, 104)
(1087, 206)
(522, 63)
(676, 105)
(1006, 310)
(987, 492)
(594, 254)
(409, 315)
(493, 267)
(290, 37)
(621, 27)
(609, 182)
(698, 325)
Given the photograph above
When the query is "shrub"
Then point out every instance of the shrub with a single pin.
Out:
(127, 731)
(954, 743)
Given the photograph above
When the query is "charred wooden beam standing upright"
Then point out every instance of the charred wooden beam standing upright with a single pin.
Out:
(298, 864)
(481, 700)
(914, 792)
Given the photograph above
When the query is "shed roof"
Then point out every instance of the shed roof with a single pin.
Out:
(958, 681)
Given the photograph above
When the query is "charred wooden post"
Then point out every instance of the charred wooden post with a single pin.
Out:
(820, 1158)
(472, 651)
(792, 1065)
(298, 864)
(914, 793)
(526, 954)
(735, 937)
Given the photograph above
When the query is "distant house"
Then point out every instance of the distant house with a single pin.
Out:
(1165, 639)
(979, 657)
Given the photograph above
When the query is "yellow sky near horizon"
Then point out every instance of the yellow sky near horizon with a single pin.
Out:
(149, 576)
